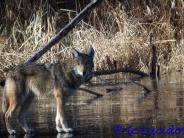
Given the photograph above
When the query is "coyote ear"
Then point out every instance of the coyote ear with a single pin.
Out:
(91, 52)
(75, 53)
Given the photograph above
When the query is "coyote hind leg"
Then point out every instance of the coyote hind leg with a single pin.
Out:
(10, 95)
(8, 115)
(23, 112)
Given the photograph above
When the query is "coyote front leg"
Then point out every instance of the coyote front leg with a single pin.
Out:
(61, 122)
(23, 113)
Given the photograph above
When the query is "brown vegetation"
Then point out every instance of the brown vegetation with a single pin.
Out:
(117, 30)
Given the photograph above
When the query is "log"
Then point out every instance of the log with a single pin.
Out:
(126, 70)
(63, 32)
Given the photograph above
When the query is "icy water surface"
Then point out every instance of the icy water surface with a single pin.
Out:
(123, 105)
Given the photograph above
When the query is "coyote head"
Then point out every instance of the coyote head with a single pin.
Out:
(83, 63)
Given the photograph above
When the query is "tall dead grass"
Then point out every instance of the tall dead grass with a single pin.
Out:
(118, 35)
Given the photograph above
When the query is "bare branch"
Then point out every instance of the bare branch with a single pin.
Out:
(63, 32)
(126, 70)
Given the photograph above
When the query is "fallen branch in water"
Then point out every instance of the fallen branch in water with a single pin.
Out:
(123, 70)
(106, 83)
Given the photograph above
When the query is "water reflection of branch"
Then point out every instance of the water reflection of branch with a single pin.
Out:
(143, 86)
(29, 135)
(90, 101)
(113, 89)
(91, 92)
(105, 83)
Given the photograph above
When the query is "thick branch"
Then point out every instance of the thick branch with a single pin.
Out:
(126, 70)
(64, 31)
(154, 66)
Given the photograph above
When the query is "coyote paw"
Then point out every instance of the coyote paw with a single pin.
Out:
(66, 130)
(12, 132)
(59, 129)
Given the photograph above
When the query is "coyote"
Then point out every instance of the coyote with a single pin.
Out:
(26, 81)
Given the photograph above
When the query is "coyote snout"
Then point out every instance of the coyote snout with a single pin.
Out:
(26, 81)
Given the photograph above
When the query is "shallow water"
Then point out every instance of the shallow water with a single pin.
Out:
(129, 106)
